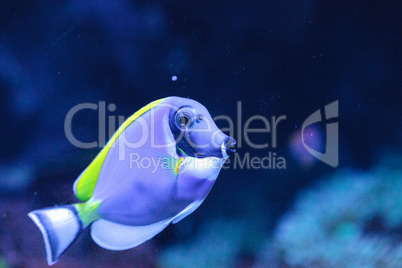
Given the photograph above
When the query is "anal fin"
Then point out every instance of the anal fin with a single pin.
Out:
(187, 211)
(115, 236)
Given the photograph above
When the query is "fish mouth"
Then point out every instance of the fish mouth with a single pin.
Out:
(228, 147)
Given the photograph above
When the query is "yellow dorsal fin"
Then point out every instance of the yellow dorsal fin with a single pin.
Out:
(85, 185)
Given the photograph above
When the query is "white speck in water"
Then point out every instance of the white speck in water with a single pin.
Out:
(174, 78)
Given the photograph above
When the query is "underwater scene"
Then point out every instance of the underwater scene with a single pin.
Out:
(201, 134)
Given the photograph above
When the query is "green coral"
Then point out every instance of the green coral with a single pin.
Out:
(218, 243)
(354, 219)
(3, 263)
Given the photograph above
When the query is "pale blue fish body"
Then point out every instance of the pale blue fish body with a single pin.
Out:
(129, 193)
(156, 171)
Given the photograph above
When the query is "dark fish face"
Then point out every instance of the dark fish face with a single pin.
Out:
(196, 133)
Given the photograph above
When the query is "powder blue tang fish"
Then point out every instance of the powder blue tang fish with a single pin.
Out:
(157, 169)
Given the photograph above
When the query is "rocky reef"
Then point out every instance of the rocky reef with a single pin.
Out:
(352, 219)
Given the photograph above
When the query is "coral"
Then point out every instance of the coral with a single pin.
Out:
(354, 219)
(218, 243)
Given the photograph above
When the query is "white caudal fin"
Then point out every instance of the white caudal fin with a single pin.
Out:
(116, 236)
(60, 226)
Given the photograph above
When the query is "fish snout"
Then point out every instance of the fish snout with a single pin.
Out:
(228, 147)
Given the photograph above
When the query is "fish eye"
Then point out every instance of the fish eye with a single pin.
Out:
(184, 118)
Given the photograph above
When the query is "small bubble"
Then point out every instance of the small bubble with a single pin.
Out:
(174, 78)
